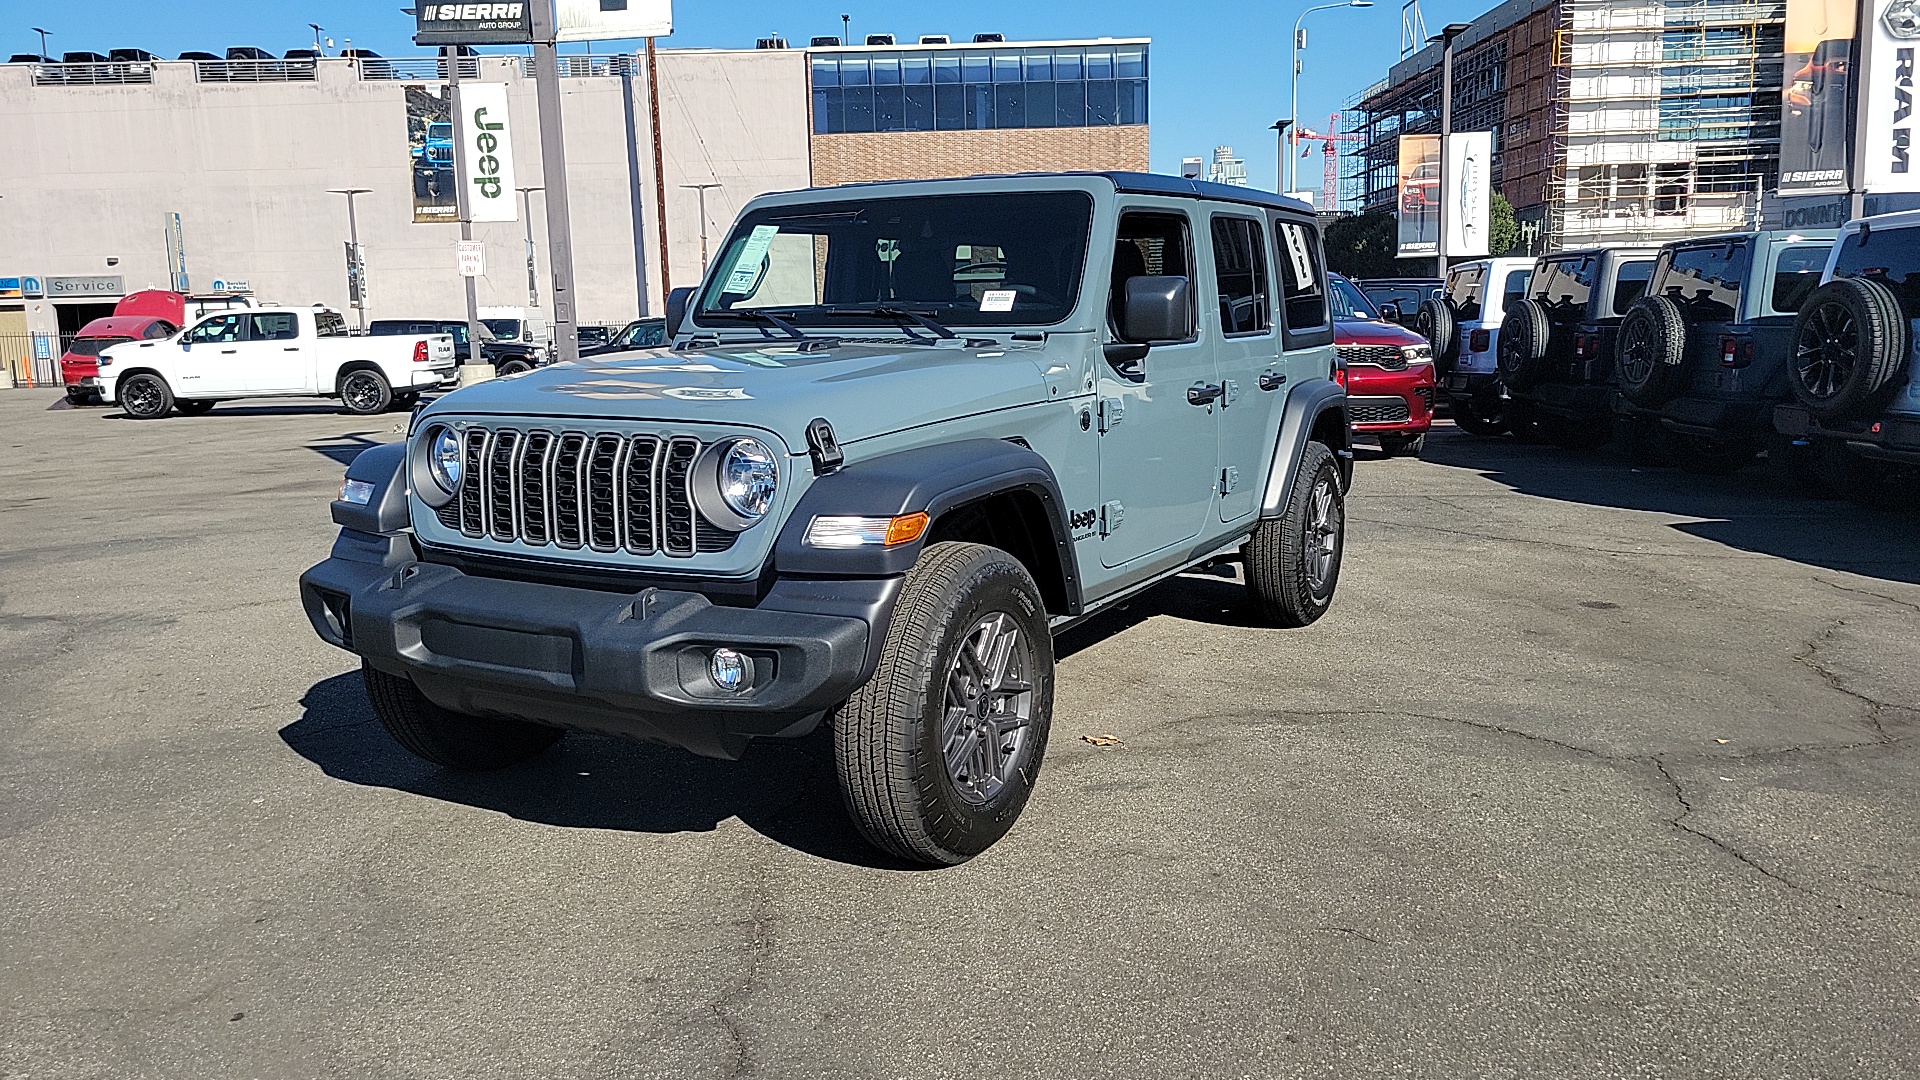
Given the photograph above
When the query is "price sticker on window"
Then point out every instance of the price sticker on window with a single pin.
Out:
(747, 265)
(997, 300)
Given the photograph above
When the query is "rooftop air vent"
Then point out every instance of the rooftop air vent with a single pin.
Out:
(985, 39)
(935, 39)
(825, 42)
(879, 39)
(770, 43)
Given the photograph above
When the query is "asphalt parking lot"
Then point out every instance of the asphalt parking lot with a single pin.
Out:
(1592, 771)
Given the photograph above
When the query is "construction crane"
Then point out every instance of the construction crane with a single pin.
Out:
(1330, 149)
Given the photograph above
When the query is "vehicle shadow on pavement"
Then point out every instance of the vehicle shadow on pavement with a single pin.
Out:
(1749, 510)
(782, 789)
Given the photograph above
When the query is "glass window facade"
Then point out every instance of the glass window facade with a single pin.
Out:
(1092, 86)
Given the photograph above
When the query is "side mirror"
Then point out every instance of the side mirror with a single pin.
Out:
(677, 310)
(1159, 309)
(186, 344)
(1390, 311)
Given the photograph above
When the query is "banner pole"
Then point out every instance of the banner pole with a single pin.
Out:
(475, 355)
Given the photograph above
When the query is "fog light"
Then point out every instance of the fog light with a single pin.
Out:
(728, 670)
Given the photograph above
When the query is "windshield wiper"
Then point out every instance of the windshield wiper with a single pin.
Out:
(902, 316)
(755, 315)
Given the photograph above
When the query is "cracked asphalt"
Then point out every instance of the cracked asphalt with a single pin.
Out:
(1592, 771)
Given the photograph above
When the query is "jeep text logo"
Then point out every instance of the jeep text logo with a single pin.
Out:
(486, 165)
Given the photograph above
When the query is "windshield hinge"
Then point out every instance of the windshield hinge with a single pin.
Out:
(1112, 410)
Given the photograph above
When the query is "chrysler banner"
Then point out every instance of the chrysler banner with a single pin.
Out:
(1419, 195)
(1468, 204)
(488, 146)
(1886, 108)
(1815, 135)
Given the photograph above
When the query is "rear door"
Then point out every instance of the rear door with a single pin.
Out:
(1707, 280)
(1792, 271)
(277, 359)
(1247, 355)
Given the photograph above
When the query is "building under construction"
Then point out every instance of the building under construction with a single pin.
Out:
(1613, 122)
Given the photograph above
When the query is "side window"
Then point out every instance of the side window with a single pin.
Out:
(651, 335)
(1631, 284)
(1303, 285)
(220, 328)
(1516, 288)
(1705, 280)
(1564, 286)
(159, 330)
(1889, 255)
(1466, 290)
(1240, 270)
(1795, 274)
(1153, 245)
(329, 324)
(274, 326)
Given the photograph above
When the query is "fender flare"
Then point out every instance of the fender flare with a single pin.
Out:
(930, 480)
(1306, 408)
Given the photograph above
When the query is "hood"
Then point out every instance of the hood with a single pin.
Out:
(862, 390)
(1373, 332)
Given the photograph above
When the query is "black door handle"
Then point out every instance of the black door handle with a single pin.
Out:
(228, 352)
(1272, 380)
(1203, 394)
(290, 348)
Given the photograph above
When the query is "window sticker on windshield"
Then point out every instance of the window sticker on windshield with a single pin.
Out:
(997, 300)
(746, 268)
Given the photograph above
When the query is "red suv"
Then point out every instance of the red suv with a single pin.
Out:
(1389, 373)
(80, 363)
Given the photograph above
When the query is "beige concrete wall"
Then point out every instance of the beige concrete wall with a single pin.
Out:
(920, 155)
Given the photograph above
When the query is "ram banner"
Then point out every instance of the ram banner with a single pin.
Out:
(488, 139)
(1468, 206)
(1816, 133)
(1419, 195)
(1889, 42)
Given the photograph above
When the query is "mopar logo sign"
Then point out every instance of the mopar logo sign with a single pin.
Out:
(473, 24)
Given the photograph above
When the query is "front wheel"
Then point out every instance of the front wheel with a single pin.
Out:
(364, 392)
(146, 397)
(452, 739)
(1293, 561)
(938, 752)
(513, 367)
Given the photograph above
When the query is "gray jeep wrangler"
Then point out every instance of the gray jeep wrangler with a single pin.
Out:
(905, 433)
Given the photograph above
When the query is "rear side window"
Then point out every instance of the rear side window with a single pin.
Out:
(1795, 274)
(1516, 287)
(1704, 280)
(92, 346)
(1302, 282)
(1466, 289)
(159, 329)
(329, 324)
(276, 326)
(1890, 256)
(1565, 285)
(1240, 272)
(1631, 285)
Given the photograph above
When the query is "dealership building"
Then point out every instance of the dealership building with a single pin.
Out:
(251, 154)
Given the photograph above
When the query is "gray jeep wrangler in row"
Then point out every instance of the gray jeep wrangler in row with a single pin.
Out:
(905, 433)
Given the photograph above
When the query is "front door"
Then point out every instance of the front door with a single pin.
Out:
(1158, 460)
(1247, 354)
(211, 364)
(277, 360)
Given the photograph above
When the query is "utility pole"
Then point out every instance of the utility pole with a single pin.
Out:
(659, 168)
(451, 56)
(846, 30)
(357, 264)
(702, 189)
(1280, 136)
(1451, 31)
(553, 160)
(526, 210)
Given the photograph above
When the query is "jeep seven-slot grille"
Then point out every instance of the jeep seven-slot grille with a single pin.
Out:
(1380, 356)
(1377, 410)
(600, 491)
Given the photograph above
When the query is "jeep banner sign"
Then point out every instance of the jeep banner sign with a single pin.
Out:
(1815, 129)
(1890, 41)
(473, 24)
(488, 157)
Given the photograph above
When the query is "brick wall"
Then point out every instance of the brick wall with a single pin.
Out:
(919, 155)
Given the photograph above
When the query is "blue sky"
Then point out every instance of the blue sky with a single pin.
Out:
(1219, 68)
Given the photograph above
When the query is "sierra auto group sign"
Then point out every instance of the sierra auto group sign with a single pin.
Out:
(473, 24)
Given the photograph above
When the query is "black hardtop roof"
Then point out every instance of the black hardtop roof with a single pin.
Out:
(1139, 183)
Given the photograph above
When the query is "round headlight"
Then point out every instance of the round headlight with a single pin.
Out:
(444, 459)
(748, 475)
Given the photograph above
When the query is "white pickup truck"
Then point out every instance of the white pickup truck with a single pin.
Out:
(273, 352)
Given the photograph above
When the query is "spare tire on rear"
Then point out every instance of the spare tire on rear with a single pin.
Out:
(1850, 340)
(1523, 343)
(1652, 351)
(1435, 321)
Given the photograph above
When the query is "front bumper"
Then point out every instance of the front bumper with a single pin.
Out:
(630, 664)
(1390, 402)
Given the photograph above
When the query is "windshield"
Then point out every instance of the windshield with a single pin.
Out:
(1350, 303)
(508, 329)
(1011, 259)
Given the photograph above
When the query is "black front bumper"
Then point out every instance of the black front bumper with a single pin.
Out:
(631, 664)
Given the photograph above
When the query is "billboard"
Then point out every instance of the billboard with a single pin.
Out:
(488, 138)
(1468, 206)
(1816, 135)
(597, 20)
(473, 24)
(430, 151)
(1889, 42)
(1419, 195)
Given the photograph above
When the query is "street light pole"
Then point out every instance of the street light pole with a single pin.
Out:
(1447, 34)
(1280, 136)
(1293, 110)
(43, 42)
(553, 162)
(317, 29)
(451, 56)
(702, 189)
(526, 208)
(359, 265)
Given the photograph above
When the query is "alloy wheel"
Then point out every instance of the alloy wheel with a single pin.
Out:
(1826, 350)
(1324, 520)
(361, 391)
(142, 398)
(989, 708)
(1636, 351)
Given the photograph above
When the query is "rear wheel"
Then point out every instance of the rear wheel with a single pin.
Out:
(938, 752)
(448, 738)
(1653, 348)
(1525, 422)
(364, 392)
(1482, 416)
(1293, 561)
(145, 397)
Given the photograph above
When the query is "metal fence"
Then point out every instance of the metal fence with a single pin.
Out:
(109, 74)
(416, 68)
(254, 71)
(33, 359)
